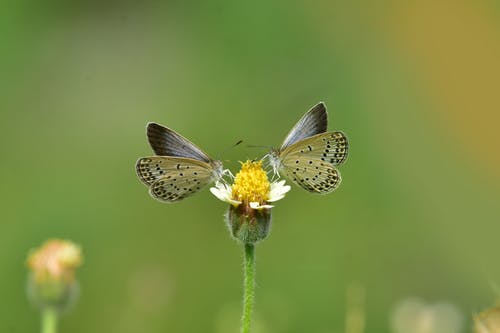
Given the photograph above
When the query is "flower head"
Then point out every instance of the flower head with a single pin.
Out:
(55, 260)
(249, 214)
(52, 280)
(251, 187)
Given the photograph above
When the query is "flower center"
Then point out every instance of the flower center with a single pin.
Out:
(251, 183)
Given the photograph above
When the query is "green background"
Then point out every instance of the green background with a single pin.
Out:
(413, 84)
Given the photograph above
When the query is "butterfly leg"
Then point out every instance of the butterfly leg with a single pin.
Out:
(268, 166)
(228, 172)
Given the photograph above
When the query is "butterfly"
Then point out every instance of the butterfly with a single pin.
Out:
(180, 169)
(309, 153)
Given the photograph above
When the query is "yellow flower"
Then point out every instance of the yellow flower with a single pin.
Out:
(55, 260)
(251, 183)
(251, 187)
(52, 282)
(249, 215)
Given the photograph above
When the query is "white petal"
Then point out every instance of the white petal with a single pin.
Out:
(233, 202)
(283, 190)
(278, 191)
(275, 198)
(280, 183)
(256, 205)
(279, 187)
(218, 193)
(225, 188)
(224, 192)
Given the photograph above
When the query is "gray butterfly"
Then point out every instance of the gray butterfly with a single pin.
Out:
(309, 153)
(180, 170)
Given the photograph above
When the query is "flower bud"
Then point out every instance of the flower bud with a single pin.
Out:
(413, 315)
(52, 282)
(247, 224)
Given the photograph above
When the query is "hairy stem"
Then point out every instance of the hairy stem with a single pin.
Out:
(249, 287)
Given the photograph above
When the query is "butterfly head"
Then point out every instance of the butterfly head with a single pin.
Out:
(218, 169)
(274, 161)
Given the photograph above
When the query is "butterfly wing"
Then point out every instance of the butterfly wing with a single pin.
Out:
(321, 177)
(167, 142)
(310, 163)
(315, 121)
(172, 179)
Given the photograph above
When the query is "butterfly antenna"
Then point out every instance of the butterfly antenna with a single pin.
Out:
(268, 148)
(237, 143)
(261, 147)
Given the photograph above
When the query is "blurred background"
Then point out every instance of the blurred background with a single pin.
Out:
(414, 84)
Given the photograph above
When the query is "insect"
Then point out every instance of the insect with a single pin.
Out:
(309, 153)
(180, 169)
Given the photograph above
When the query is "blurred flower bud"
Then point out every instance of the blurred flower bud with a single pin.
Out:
(51, 282)
(415, 316)
(487, 321)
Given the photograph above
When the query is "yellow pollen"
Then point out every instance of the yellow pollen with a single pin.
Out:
(251, 183)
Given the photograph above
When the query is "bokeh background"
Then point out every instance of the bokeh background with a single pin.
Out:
(414, 84)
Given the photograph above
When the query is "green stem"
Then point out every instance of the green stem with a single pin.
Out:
(248, 295)
(49, 320)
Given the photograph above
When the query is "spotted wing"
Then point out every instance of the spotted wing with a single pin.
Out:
(171, 179)
(167, 142)
(318, 177)
(315, 121)
(310, 163)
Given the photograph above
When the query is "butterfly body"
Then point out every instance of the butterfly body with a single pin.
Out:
(180, 169)
(309, 153)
